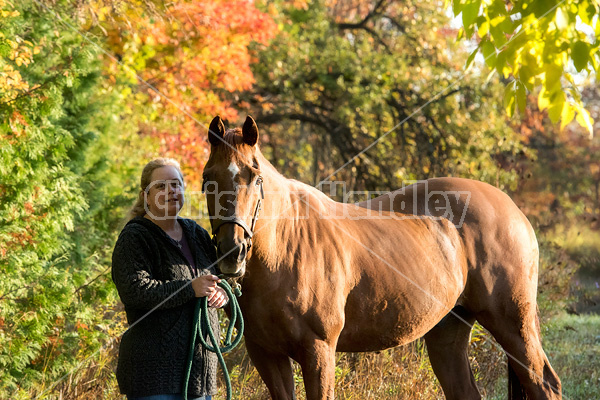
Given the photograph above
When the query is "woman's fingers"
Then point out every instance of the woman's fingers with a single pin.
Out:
(205, 285)
(215, 298)
(218, 299)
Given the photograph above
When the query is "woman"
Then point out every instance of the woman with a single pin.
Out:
(160, 264)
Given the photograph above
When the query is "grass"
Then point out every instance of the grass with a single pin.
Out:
(572, 343)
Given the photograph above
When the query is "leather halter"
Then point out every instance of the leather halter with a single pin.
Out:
(238, 221)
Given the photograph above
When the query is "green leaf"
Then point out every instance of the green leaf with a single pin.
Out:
(489, 53)
(553, 75)
(555, 110)
(457, 7)
(498, 36)
(471, 58)
(469, 14)
(509, 99)
(580, 55)
(501, 65)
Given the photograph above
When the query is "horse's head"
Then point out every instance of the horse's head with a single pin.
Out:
(233, 187)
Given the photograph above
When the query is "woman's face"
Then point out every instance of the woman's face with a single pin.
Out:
(165, 193)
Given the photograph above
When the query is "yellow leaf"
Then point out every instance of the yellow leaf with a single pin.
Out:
(543, 100)
(567, 114)
(484, 28)
(584, 119)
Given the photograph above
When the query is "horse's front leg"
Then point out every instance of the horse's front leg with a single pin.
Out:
(317, 359)
(274, 369)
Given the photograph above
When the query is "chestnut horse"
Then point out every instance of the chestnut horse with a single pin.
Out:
(320, 276)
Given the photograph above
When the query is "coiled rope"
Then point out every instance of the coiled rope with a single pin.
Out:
(202, 323)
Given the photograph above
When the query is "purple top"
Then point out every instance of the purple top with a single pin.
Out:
(185, 249)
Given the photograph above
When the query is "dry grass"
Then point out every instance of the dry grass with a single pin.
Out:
(399, 373)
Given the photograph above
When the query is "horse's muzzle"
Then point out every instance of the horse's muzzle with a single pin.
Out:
(232, 270)
(232, 257)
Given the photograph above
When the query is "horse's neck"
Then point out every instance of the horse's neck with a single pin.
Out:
(288, 206)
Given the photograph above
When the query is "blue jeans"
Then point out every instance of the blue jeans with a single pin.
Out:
(168, 397)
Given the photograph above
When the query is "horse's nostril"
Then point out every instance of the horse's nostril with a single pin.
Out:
(242, 254)
(232, 251)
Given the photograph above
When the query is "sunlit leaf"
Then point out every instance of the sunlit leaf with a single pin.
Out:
(567, 114)
(509, 99)
(556, 108)
(471, 58)
(584, 119)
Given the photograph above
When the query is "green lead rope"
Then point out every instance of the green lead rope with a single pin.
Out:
(201, 323)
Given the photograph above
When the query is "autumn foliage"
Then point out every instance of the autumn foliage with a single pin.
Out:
(189, 57)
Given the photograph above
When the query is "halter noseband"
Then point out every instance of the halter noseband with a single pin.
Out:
(238, 221)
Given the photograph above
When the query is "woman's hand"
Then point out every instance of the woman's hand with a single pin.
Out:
(218, 298)
(205, 285)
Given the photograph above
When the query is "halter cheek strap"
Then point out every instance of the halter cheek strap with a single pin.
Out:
(249, 230)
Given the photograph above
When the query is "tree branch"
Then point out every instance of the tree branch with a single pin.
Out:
(362, 24)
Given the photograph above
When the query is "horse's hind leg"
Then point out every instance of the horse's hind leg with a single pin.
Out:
(515, 326)
(275, 370)
(447, 346)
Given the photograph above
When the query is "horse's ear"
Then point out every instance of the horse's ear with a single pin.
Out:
(250, 131)
(216, 130)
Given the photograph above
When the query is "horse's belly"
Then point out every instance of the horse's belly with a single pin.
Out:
(399, 310)
(388, 328)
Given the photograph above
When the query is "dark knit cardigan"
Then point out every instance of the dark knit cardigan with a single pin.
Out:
(152, 273)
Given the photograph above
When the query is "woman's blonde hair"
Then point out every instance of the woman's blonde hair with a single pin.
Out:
(139, 208)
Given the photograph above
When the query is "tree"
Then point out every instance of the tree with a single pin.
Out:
(329, 87)
(563, 185)
(537, 44)
(66, 177)
(187, 55)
